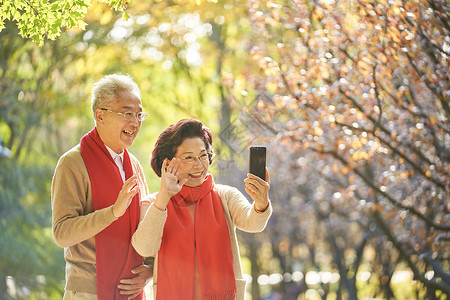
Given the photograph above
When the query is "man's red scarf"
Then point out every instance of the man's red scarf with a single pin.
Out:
(115, 256)
(181, 239)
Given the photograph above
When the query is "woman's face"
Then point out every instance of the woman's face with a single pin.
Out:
(194, 161)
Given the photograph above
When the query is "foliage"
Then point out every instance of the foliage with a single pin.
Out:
(38, 20)
(29, 81)
(26, 244)
(45, 110)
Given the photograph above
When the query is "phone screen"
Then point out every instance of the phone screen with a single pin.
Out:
(257, 165)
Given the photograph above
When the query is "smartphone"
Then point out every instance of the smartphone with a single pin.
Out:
(257, 164)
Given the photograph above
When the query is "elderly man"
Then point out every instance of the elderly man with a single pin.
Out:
(96, 193)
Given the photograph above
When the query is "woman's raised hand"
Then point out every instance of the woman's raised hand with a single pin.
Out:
(170, 182)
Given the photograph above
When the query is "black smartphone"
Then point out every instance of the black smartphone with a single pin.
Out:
(257, 165)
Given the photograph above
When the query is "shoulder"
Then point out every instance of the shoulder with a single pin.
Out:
(71, 165)
(71, 158)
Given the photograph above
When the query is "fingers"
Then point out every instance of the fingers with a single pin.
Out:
(250, 192)
(129, 290)
(139, 269)
(164, 166)
(171, 166)
(130, 182)
(133, 286)
(133, 296)
(250, 175)
(267, 176)
(258, 189)
(129, 189)
(128, 283)
(255, 183)
(128, 194)
(183, 181)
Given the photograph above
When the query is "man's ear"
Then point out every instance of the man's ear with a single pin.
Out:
(99, 115)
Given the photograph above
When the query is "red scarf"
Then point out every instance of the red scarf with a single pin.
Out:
(176, 258)
(115, 256)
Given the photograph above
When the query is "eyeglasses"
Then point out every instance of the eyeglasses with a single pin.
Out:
(129, 116)
(189, 159)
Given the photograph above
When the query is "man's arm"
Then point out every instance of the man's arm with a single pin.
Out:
(73, 219)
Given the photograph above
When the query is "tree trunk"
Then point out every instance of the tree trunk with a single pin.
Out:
(3, 291)
(255, 270)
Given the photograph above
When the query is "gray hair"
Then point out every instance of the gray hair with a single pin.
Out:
(104, 90)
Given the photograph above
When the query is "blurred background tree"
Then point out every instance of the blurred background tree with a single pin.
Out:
(351, 98)
(357, 96)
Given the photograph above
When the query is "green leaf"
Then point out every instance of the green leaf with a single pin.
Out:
(81, 25)
(17, 15)
(125, 16)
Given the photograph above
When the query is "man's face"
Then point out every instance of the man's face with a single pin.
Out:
(115, 131)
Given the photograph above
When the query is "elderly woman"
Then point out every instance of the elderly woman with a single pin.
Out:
(190, 224)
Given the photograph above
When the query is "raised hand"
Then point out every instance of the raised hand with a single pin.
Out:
(258, 189)
(171, 184)
(129, 189)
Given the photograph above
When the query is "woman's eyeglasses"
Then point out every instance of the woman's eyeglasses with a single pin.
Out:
(193, 159)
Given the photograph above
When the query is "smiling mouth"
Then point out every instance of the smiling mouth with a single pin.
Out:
(196, 175)
(130, 133)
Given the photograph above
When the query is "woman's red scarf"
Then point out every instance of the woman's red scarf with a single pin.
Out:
(115, 256)
(176, 258)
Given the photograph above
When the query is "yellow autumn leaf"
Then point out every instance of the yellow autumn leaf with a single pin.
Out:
(360, 155)
(356, 144)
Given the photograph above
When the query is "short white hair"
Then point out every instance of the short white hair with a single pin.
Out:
(104, 91)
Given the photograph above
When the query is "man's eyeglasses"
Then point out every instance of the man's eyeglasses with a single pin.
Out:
(129, 116)
(193, 159)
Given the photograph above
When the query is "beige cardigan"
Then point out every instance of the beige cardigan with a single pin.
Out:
(74, 221)
(239, 213)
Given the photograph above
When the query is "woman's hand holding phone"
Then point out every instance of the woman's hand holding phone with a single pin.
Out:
(258, 190)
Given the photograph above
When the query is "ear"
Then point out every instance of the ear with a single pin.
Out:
(99, 116)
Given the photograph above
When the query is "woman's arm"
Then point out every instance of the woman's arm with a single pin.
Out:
(242, 213)
(147, 238)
